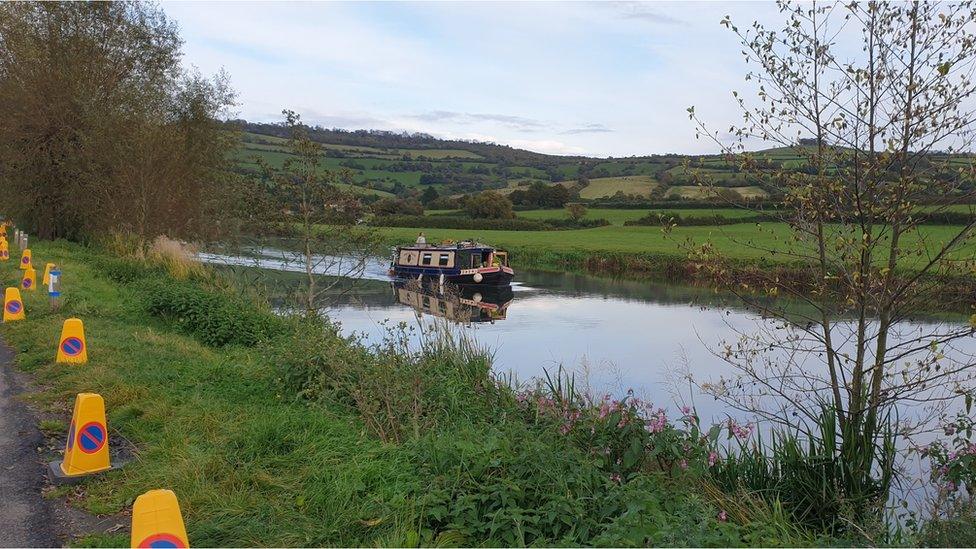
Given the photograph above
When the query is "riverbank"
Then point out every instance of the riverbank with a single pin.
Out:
(277, 432)
(739, 255)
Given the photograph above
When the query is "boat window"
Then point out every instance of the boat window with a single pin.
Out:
(444, 260)
(475, 260)
(408, 257)
(426, 258)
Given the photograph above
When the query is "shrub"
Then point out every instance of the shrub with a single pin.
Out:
(489, 205)
(215, 318)
(394, 206)
(453, 222)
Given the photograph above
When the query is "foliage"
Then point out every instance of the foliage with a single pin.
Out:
(488, 205)
(540, 195)
(397, 206)
(576, 211)
(875, 124)
(516, 224)
(216, 318)
(102, 128)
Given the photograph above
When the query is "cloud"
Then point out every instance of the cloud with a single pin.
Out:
(516, 122)
(640, 11)
(588, 128)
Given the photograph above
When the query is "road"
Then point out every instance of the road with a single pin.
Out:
(26, 518)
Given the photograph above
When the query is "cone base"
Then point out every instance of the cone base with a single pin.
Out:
(58, 477)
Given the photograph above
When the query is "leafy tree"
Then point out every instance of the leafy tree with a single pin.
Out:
(102, 130)
(397, 206)
(305, 209)
(865, 265)
(489, 205)
(576, 211)
(429, 195)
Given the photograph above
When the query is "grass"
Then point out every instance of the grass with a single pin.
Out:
(641, 185)
(618, 217)
(697, 191)
(736, 242)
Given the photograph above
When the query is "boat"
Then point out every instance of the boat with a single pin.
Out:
(465, 263)
(463, 304)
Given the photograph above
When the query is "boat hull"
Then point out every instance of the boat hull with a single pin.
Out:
(485, 276)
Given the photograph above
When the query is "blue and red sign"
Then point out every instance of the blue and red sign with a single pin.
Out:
(162, 541)
(72, 346)
(91, 437)
(25, 260)
(14, 306)
(28, 282)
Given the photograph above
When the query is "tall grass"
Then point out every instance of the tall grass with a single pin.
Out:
(825, 483)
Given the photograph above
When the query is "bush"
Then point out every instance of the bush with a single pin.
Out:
(516, 224)
(489, 205)
(215, 318)
(394, 206)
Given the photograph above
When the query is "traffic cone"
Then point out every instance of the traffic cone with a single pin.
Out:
(47, 274)
(157, 521)
(29, 282)
(13, 306)
(86, 451)
(72, 347)
(25, 259)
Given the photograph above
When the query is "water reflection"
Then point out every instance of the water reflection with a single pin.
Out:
(458, 303)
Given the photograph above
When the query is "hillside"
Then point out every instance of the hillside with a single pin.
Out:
(380, 164)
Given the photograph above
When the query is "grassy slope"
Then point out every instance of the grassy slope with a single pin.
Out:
(640, 185)
(617, 217)
(250, 467)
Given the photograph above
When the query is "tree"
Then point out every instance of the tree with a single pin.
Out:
(310, 215)
(576, 211)
(102, 130)
(489, 205)
(397, 206)
(429, 195)
(864, 261)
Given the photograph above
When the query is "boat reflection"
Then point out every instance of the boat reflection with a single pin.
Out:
(458, 303)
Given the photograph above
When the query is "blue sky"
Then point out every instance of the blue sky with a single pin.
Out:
(597, 78)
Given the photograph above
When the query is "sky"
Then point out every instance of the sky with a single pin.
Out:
(593, 78)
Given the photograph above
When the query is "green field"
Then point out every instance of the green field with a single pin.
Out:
(618, 217)
(699, 192)
(743, 241)
(640, 185)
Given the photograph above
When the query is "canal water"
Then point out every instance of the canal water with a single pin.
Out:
(615, 336)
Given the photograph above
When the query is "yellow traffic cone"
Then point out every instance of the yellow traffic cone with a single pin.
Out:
(72, 346)
(157, 522)
(13, 306)
(86, 451)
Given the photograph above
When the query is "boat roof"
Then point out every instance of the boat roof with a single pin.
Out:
(464, 245)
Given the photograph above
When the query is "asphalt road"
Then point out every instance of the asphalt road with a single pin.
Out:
(26, 518)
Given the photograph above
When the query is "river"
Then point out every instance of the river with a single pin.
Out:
(614, 335)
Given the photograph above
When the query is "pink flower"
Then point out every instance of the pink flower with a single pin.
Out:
(723, 516)
(712, 459)
(615, 477)
(686, 410)
(683, 464)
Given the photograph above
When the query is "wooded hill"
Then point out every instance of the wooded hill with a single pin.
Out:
(383, 163)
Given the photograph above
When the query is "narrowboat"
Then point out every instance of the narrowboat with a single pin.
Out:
(456, 263)
(463, 304)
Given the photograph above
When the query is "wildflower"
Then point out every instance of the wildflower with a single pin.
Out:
(615, 477)
(712, 459)
(686, 410)
(683, 464)
(723, 516)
